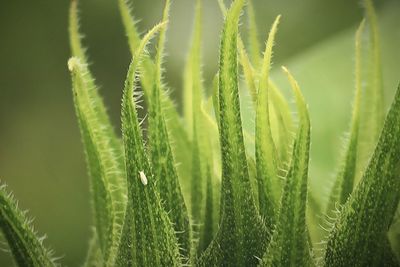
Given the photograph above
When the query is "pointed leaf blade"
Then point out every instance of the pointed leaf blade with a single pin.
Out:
(148, 237)
(345, 179)
(266, 161)
(161, 157)
(253, 36)
(27, 248)
(193, 94)
(358, 235)
(237, 242)
(372, 105)
(102, 148)
(178, 135)
(290, 245)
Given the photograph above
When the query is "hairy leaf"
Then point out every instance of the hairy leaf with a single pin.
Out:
(147, 66)
(266, 161)
(27, 248)
(372, 104)
(248, 71)
(181, 145)
(253, 42)
(281, 120)
(238, 242)
(290, 245)
(148, 237)
(102, 147)
(130, 26)
(212, 162)
(215, 97)
(345, 179)
(193, 94)
(281, 124)
(394, 235)
(79, 52)
(208, 221)
(102, 163)
(192, 74)
(358, 235)
(161, 156)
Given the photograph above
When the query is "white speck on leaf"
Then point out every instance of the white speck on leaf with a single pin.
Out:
(143, 178)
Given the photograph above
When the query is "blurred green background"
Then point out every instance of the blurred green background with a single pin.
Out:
(41, 157)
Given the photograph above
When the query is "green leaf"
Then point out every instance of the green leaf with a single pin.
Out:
(253, 42)
(336, 78)
(215, 97)
(290, 245)
(102, 148)
(147, 66)
(148, 237)
(193, 94)
(181, 147)
(372, 106)
(201, 127)
(100, 158)
(394, 235)
(281, 120)
(212, 161)
(343, 186)
(359, 234)
(248, 71)
(102, 163)
(208, 221)
(388, 256)
(238, 242)
(197, 181)
(266, 161)
(161, 157)
(28, 248)
(281, 124)
(192, 90)
(211, 168)
(222, 7)
(280, 117)
(79, 52)
(129, 23)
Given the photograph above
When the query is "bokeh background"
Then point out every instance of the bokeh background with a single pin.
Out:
(41, 157)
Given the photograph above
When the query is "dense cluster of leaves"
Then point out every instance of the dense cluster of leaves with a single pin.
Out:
(224, 205)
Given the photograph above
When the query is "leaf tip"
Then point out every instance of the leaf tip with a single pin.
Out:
(292, 80)
(278, 19)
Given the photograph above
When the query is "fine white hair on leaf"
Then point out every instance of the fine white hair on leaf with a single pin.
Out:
(143, 178)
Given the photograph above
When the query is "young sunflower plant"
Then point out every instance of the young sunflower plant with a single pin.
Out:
(235, 199)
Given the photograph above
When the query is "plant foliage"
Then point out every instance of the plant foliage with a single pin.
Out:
(237, 198)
